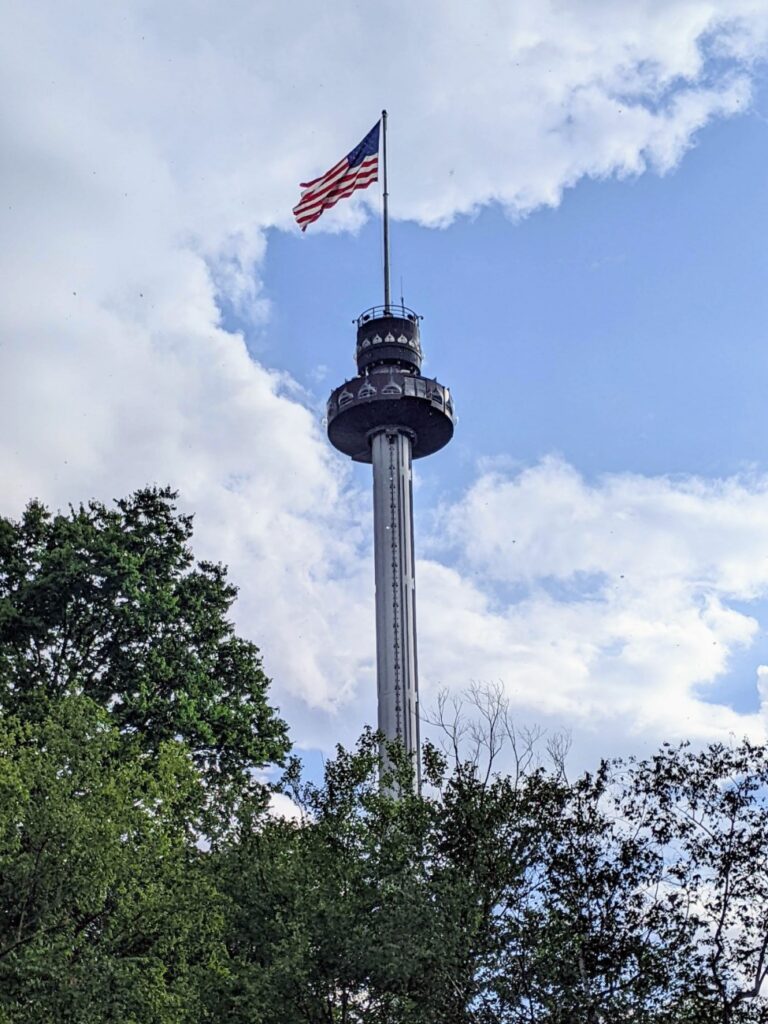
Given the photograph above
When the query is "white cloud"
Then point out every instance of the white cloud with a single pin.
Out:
(281, 806)
(145, 152)
(609, 604)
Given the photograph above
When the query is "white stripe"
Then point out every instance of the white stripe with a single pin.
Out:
(361, 173)
(330, 181)
(310, 215)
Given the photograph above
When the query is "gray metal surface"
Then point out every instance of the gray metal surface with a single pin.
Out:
(395, 589)
(387, 396)
(388, 337)
(389, 415)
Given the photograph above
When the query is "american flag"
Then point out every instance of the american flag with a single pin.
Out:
(358, 169)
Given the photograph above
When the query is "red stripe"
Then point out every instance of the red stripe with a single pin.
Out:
(327, 182)
(368, 174)
(306, 217)
(360, 178)
(312, 213)
(341, 166)
(331, 182)
(308, 184)
(336, 184)
(310, 218)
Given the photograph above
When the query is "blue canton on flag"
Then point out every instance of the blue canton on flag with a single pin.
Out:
(357, 169)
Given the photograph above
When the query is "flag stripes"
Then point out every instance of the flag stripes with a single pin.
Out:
(358, 169)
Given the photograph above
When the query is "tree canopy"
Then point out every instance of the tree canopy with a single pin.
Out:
(144, 880)
(108, 603)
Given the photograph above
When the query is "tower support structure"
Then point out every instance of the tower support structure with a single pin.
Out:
(395, 573)
(389, 415)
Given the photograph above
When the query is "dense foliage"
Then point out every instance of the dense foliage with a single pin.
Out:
(142, 879)
(108, 604)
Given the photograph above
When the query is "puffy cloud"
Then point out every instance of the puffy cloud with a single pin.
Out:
(549, 522)
(281, 806)
(609, 604)
(147, 150)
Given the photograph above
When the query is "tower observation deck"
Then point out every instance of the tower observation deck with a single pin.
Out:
(388, 415)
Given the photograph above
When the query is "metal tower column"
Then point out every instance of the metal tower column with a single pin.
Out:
(388, 415)
(398, 698)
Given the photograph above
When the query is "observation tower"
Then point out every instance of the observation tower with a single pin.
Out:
(388, 415)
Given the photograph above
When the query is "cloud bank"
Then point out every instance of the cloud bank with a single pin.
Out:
(611, 605)
(146, 153)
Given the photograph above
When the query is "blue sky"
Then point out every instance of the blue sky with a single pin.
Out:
(580, 217)
(624, 329)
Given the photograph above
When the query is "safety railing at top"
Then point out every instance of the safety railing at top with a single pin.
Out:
(393, 309)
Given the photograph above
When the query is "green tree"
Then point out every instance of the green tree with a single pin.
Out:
(708, 810)
(132, 719)
(141, 879)
(106, 910)
(107, 602)
(374, 908)
(637, 893)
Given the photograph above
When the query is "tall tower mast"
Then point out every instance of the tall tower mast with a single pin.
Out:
(389, 415)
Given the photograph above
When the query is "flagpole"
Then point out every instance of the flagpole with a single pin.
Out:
(386, 214)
